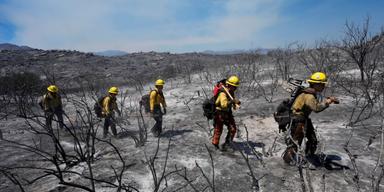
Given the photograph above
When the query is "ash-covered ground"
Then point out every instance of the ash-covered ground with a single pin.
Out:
(187, 133)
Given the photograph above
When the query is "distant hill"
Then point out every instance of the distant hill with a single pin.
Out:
(110, 53)
(8, 46)
(231, 52)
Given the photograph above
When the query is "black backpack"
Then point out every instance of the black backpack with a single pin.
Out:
(283, 111)
(41, 101)
(209, 106)
(145, 102)
(98, 106)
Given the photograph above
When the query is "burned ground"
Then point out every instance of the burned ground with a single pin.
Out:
(351, 142)
(189, 132)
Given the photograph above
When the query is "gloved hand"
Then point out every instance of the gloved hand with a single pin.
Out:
(165, 111)
(235, 104)
(332, 100)
(236, 101)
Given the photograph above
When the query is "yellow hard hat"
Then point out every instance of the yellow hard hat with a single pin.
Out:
(233, 80)
(159, 82)
(318, 77)
(113, 90)
(53, 88)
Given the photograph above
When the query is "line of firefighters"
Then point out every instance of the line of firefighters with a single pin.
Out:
(225, 103)
(52, 105)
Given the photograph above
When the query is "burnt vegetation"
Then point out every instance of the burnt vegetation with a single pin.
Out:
(76, 157)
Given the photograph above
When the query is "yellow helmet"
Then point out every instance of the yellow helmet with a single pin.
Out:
(53, 88)
(318, 77)
(113, 90)
(159, 82)
(233, 80)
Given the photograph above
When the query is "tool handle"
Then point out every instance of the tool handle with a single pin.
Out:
(226, 90)
(237, 106)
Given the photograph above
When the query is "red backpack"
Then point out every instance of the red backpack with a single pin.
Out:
(218, 86)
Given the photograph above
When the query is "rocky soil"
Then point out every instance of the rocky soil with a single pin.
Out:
(187, 134)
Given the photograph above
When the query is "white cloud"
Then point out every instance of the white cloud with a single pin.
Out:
(135, 25)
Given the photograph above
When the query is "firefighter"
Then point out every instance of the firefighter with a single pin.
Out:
(109, 106)
(224, 103)
(156, 102)
(302, 125)
(52, 105)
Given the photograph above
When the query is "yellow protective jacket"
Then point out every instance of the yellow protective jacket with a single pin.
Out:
(306, 102)
(109, 106)
(223, 102)
(51, 103)
(155, 99)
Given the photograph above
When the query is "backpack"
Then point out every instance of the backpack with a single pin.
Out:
(283, 111)
(217, 88)
(145, 102)
(209, 106)
(98, 106)
(41, 101)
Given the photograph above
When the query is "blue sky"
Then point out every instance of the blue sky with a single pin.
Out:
(179, 25)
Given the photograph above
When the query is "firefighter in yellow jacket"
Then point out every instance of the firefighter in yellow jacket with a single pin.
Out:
(302, 125)
(109, 108)
(52, 105)
(225, 102)
(156, 102)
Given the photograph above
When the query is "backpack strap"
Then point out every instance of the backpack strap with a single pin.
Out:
(157, 93)
(46, 97)
(227, 93)
(309, 90)
(101, 100)
(218, 93)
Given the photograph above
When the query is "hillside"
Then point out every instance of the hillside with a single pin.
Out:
(76, 159)
(12, 47)
(73, 69)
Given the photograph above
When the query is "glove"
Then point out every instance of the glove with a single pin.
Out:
(165, 111)
(333, 100)
(236, 101)
(235, 104)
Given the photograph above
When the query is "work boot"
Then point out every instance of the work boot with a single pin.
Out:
(314, 160)
(224, 146)
(290, 156)
(114, 131)
(227, 146)
(216, 146)
(311, 166)
(156, 133)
